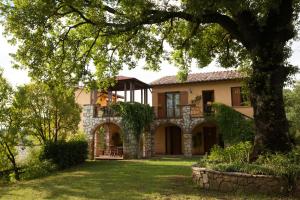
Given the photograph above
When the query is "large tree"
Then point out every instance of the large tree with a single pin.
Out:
(49, 113)
(70, 35)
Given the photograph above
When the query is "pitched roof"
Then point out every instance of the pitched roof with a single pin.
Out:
(200, 77)
(119, 78)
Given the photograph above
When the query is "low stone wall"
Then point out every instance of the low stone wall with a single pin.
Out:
(233, 181)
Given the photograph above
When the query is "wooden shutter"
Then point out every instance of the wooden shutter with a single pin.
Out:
(236, 96)
(184, 98)
(161, 109)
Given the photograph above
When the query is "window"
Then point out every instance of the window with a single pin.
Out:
(172, 102)
(237, 97)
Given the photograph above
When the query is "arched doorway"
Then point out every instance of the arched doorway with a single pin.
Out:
(204, 136)
(168, 140)
(108, 140)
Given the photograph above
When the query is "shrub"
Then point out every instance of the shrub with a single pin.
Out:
(236, 153)
(65, 154)
(235, 158)
(78, 136)
(34, 167)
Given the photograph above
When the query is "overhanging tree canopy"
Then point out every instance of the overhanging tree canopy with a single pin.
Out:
(67, 36)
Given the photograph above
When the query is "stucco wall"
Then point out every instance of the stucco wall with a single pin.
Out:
(82, 97)
(222, 92)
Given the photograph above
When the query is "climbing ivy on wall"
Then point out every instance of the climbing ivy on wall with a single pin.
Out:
(136, 118)
(233, 126)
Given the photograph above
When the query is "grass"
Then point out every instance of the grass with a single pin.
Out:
(164, 178)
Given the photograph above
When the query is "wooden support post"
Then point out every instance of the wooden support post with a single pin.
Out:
(125, 92)
(116, 96)
(145, 96)
(131, 92)
(142, 95)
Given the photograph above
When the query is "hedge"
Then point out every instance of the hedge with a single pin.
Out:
(65, 154)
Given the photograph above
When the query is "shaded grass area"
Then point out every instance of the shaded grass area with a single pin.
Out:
(163, 178)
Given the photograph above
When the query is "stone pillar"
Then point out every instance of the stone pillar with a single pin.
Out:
(187, 144)
(88, 112)
(129, 146)
(148, 144)
(187, 135)
(186, 115)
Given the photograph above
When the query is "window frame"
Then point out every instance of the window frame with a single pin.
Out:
(242, 100)
(173, 103)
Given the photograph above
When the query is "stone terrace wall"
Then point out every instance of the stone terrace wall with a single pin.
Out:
(232, 181)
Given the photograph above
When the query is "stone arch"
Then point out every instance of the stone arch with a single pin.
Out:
(159, 123)
(168, 139)
(205, 135)
(101, 123)
(111, 146)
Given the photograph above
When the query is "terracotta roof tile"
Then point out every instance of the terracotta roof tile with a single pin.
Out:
(200, 77)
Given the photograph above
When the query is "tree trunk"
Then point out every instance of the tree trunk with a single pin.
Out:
(16, 170)
(266, 88)
(12, 159)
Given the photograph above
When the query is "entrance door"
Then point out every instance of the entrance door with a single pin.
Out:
(208, 98)
(173, 140)
(210, 138)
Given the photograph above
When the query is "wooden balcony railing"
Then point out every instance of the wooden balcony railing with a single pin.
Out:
(195, 111)
(162, 113)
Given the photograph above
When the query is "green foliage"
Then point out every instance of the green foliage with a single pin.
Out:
(60, 40)
(34, 167)
(11, 132)
(235, 153)
(233, 126)
(136, 117)
(49, 112)
(65, 154)
(292, 108)
(235, 158)
(78, 136)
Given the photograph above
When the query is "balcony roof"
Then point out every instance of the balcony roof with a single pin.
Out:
(124, 80)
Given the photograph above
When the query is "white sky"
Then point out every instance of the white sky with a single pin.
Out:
(18, 77)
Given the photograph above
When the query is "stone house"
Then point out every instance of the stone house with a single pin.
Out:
(179, 128)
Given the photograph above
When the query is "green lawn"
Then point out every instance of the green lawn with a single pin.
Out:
(165, 178)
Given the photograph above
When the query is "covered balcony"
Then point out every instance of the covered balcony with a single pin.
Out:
(126, 89)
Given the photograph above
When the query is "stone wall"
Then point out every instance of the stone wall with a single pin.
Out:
(91, 123)
(186, 123)
(233, 181)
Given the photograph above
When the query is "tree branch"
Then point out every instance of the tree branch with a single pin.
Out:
(158, 16)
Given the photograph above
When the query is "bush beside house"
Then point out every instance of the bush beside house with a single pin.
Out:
(65, 154)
